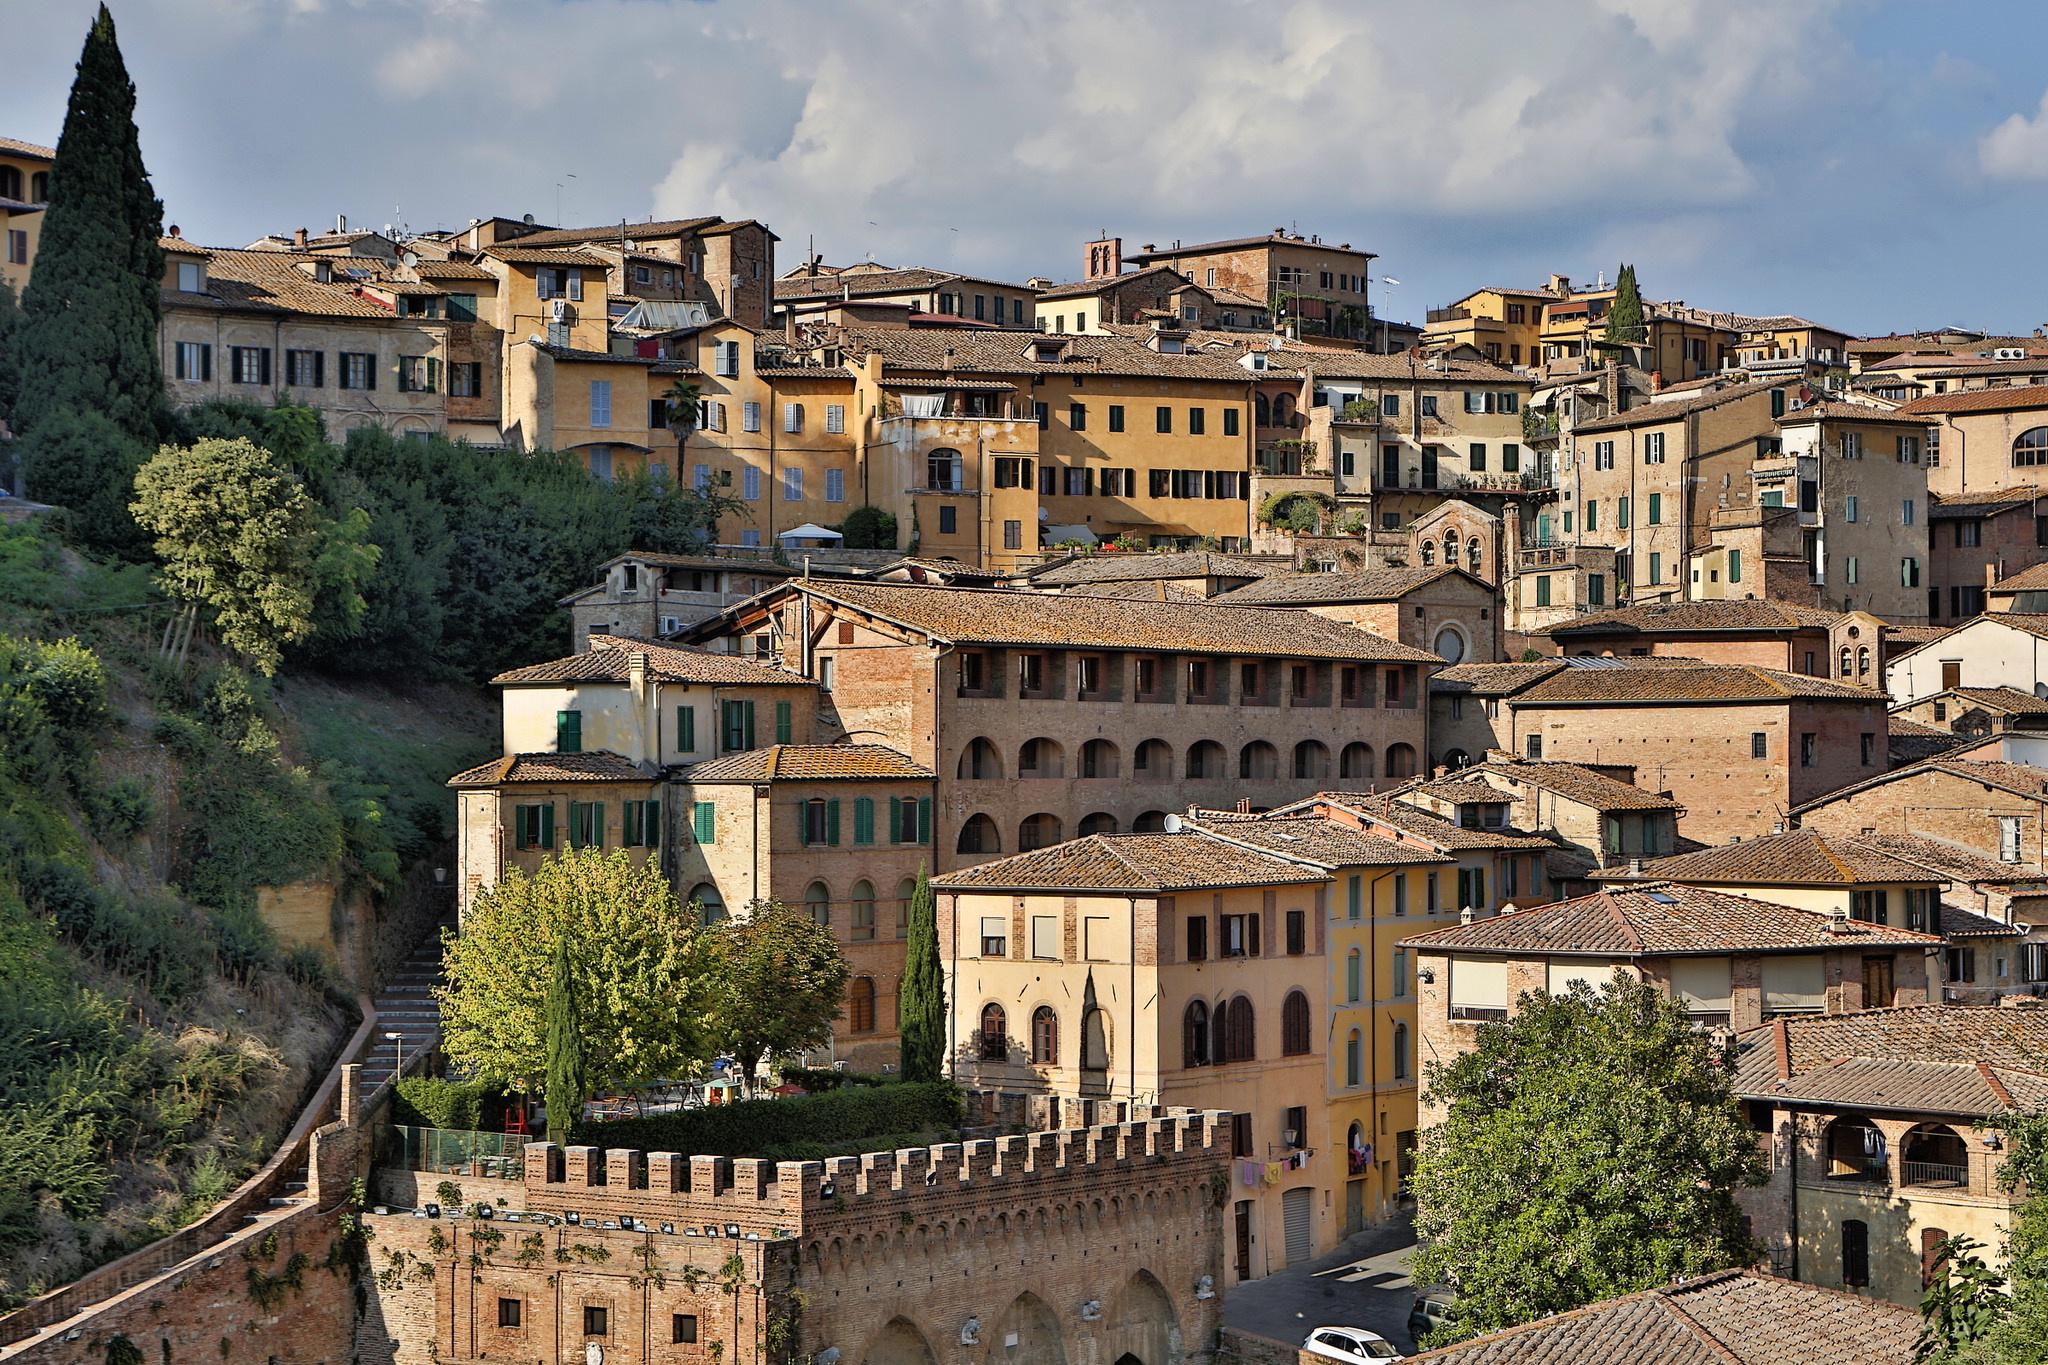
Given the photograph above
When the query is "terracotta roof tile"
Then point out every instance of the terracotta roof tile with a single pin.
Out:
(1848, 412)
(1112, 568)
(1004, 352)
(1650, 414)
(1928, 1058)
(861, 283)
(1445, 834)
(1332, 843)
(1687, 617)
(1798, 857)
(607, 661)
(1000, 617)
(2033, 577)
(1376, 585)
(1700, 682)
(595, 765)
(271, 282)
(1573, 782)
(1957, 922)
(1731, 1317)
(1492, 680)
(1131, 862)
(1953, 861)
(1461, 789)
(812, 763)
(525, 255)
(1977, 400)
(28, 149)
(1663, 919)
(2008, 699)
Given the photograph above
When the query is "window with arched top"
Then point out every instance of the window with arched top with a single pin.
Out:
(1102, 822)
(1038, 831)
(1862, 660)
(1045, 1037)
(1294, 1025)
(1258, 759)
(1240, 1036)
(1845, 661)
(1354, 1060)
(1457, 758)
(10, 183)
(1194, 1034)
(1311, 759)
(1472, 554)
(906, 892)
(818, 900)
(1040, 758)
(1354, 977)
(1401, 760)
(860, 1004)
(1428, 554)
(710, 905)
(1205, 759)
(943, 470)
(2031, 447)
(1098, 759)
(863, 910)
(1400, 1052)
(1095, 1041)
(1149, 822)
(1152, 761)
(1262, 410)
(979, 760)
(979, 835)
(995, 1040)
(39, 188)
(1355, 761)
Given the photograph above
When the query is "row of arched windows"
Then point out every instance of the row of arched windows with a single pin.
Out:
(1044, 1041)
(11, 186)
(1354, 1055)
(1472, 553)
(1216, 1035)
(1152, 761)
(864, 923)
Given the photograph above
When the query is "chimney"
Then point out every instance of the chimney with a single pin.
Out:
(643, 708)
(1635, 867)
(1838, 919)
(1656, 381)
(340, 223)
(1561, 285)
(1466, 915)
(298, 236)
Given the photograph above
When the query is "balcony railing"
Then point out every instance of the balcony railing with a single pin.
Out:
(1933, 1173)
(1870, 1171)
(1448, 314)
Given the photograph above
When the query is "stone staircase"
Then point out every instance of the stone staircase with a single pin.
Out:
(405, 1006)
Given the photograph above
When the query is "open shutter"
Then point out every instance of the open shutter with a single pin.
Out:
(803, 823)
(206, 361)
(547, 825)
(596, 809)
(433, 375)
(520, 816)
(319, 369)
(686, 729)
(924, 820)
(263, 366)
(895, 819)
(629, 824)
(650, 824)
(576, 284)
(832, 822)
(576, 826)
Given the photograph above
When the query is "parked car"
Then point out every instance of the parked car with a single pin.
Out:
(1430, 1312)
(1352, 1345)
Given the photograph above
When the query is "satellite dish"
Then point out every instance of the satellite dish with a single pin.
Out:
(1171, 824)
(528, 220)
(411, 258)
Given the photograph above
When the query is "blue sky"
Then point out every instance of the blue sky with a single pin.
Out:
(1873, 164)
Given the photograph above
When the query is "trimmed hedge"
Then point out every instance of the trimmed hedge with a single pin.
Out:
(817, 1082)
(435, 1102)
(778, 1129)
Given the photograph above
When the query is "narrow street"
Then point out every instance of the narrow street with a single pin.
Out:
(1363, 1283)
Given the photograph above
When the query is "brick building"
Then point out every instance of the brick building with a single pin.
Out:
(1991, 808)
(1871, 1123)
(1976, 543)
(1049, 716)
(1317, 286)
(1447, 611)
(1782, 635)
(918, 293)
(646, 595)
(1599, 815)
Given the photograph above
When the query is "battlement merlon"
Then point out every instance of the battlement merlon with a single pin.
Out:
(770, 1199)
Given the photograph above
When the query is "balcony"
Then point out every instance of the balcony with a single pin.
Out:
(1448, 315)
(1936, 1174)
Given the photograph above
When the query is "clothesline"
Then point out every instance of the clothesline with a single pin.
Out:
(1258, 1173)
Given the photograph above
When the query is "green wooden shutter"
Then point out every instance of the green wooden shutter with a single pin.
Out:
(864, 819)
(596, 809)
(831, 810)
(705, 816)
(686, 729)
(629, 824)
(895, 819)
(803, 823)
(747, 714)
(569, 732)
(520, 816)
(547, 825)
(924, 819)
(575, 839)
(650, 828)
(782, 717)
(433, 375)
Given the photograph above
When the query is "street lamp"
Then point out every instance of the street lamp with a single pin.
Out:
(398, 1042)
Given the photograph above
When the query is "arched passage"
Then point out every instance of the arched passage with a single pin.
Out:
(1037, 1331)
(899, 1343)
(1140, 1324)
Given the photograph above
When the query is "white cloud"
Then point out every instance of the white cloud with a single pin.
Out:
(2017, 149)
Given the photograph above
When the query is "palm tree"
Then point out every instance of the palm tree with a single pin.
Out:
(682, 398)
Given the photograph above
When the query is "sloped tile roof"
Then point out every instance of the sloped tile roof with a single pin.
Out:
(1688, 617)
(863, 282)
(2003, 699)
(1005, 352)
(1951, 1059)
(1983, 504)
(1978, 400)
(1652, 414)
(1117, 568)
(1848, 412)
(1318, 838)
(525, 255)
(1798, 857)
(1732, 1317)
(1661, 919)
(813, 763)
(1138, 590)
(271, 282)
(1131, 862)
(1492, 680)
(20, 148)
(767, 568)
(1952, 860)
(2020, 779)
(999, 617)
(954, 567)
(1575, 783)
(611, 232)
(1957, 922)
(1445, 834)
(2034, 577)
(1702, 682)
(607, 661)
(595, 765)
(1377, 585)
(1460, 788)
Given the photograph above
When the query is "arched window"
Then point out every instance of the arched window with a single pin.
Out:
(1262, 410)
(1039, 758)
(1294, 1029)
(1102, 822)
(1194, 1034)
(979, 835)
(2031, 447)
(1258, 759)
(863, 910)
(1311, 759)
(1863, 661)
(1354, 977)
(1095, 1041)
(1934, 1154)
(1450, 645)
(1400, 760)
(906, 892)
(942, 469)
(995, 1042)
(1357, 1158)
(1045, 1037)
(1283, 410)
(709, 903)
(1930, 1254)
(818, 900)
(1149, 822)
(1354, 1060)
(1152, 761)
(1355, 761)
(10, 183)
(1038, 831)
(39, 188)
(1240, 1041)
(1428, 554)
(860, 1004)
(1098, 759)
(1400, 1052)
(980, 760)
(1855, 1254)
(1450, 549)
(1472, 554)
(1845, 661)
(1205, 759)
(1855, 1149)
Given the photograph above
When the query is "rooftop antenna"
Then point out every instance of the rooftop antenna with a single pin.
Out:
(558, 197)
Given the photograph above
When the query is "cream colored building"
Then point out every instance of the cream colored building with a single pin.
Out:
(24, 191)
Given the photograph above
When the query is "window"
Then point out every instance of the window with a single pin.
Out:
(792, 484)
(1354, 1059)
(2008, 838)
(1620, 514)
(1354, 977)
(1533, 746)
(1909, 572)
(1240, 1034)
(792, 417)
(422, 374)
(642, 825)
(995, 936)
(1116, 417)
(1045, 937)
(533, 826)
(1852, 445)
(1653, 450)
(704, 821)
(1162, 420)
(600, 402)
(1230, 421)
(1297, 933)
(682, 1328)
(1045, 1037)
(1475, 458)
(1294, 1025)
(1401, 969)
(1855, 1250)
(509, 1311)
(736, 725)
(249, 364)
(1479, 988)
(750, 416)
(1808, 749)
(305, 370)
(568, 732)
(1592, 515)
(1603, 454)
(466, 379)
(1657, 512)
(193, 360)
(1400, 1052)
(1656, 567)
(594, 1321)
(995, 1043)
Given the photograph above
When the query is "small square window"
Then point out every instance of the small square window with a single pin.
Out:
(595, 1321)
(682, 1328)
(509, 1311)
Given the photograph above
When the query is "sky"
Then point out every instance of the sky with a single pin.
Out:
(1871, 164)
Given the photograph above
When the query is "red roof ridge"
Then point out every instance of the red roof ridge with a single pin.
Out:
(1782, 1038)
(1621, 922)
(1699, 1332)
(1997, 1086)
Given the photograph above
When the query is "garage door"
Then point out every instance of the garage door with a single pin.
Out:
(1295, 1205)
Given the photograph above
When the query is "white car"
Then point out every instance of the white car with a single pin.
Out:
(1352, 1345)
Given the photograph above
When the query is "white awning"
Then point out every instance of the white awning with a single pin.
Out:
(1055, 535)
(808, 531)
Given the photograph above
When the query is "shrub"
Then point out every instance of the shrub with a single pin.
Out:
(771, 1129)
(436, 1102)
(817, 1082)
(868, 528)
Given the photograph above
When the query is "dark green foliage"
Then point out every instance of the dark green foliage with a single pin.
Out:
(869, 528)
(817, 1081)
(779, 1129)
(1625, 313)
(89, 340)
(163, 944)
(1295, 511)
(11, 321)
(85, 463)
(922, 1008)
(122, 1351)
(565, 1085)
(2018, 1335)
(1592, 1147)
(1965, 1301)
(436, 1102)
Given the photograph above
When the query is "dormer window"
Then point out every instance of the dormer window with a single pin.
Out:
(1254, 361)
(191, 277)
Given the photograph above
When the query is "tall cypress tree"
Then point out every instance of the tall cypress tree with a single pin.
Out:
(93, 303)
(923, 1002)
(1625, 313)
(565, 1086)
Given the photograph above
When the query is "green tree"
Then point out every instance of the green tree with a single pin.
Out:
(779, 980)
(2020, 1337)
(11, 322)
(238, 537)
(635, 974)
(921, 1009)
(93, 305)
(1966, 1299)
(682, 398)
(869, 528)
(1625, 312)
(1591, 1147)
(566, 1083)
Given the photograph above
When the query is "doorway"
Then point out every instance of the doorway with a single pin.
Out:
(1354, 1206)
(1297, 1211)
(1877, 983)
(1244, 1240)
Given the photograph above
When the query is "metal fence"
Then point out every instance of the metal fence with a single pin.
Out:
(453, 1151)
